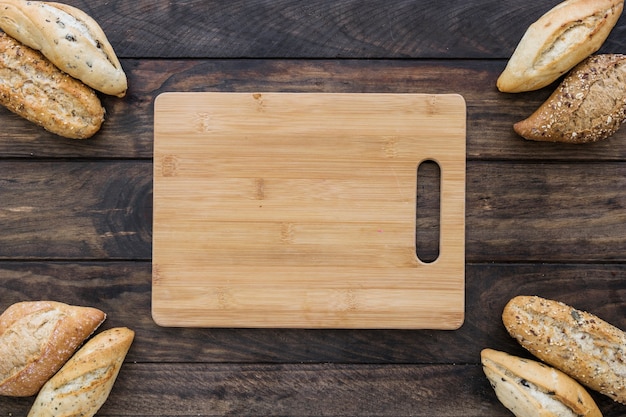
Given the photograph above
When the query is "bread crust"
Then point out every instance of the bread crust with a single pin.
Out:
(588, 106)
(578, 343)
(530, 388)
(37, 338)
(557, 41)
(36, 90)
(84, 383)
(69, 38)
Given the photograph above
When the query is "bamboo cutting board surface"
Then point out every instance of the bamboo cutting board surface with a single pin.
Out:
(299, 210)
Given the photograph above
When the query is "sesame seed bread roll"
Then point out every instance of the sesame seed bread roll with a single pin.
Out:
(35, 89)
(578, 343)
(530, 388)
(84, 383)
(557, 41)
(37, 338)
(69, 38)
(588, 106)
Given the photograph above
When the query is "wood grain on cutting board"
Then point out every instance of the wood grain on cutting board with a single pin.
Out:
(298, 210)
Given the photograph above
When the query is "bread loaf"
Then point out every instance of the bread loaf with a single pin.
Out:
(557, 41)
(588, 106)
(69, 38)
(33, 88)
(84, 383)
(578, 343)
(37, 338)
(529, 388)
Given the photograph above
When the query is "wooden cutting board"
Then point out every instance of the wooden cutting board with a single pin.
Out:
(299, 210)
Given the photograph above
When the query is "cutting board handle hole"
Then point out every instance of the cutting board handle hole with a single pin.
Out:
(428, 211)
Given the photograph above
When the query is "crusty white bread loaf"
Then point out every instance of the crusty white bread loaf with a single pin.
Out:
(37, 338)
(557, 41)
(529, 388)
(69, 38)
(578, 343)
(84, 383)
(33, 88)
(589, 105)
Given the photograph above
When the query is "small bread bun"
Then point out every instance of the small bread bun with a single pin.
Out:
(84, 383)
(557, 41)
(35, 89)
(37, 338)
(530, 389)
(578, 343)
(69, 38)
(588, 106)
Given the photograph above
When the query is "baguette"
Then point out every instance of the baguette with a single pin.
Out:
(33, 88)
(578, 343)
(37, 338)
(588, 106)
(69, 38)
(84, 383)
(557, 41)
(529, 388)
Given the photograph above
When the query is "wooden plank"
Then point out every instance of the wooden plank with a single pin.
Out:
(287, 163)
(100, 210)
(320, 29)
(301, 390)
(128, 133)
(123, 291)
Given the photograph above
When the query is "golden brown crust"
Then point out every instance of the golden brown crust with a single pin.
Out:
(532, 388)
(33, 88)
(69, 38)
(588, 106)
(578, 343)
(84, 383)
(37, 338)
(557, 41)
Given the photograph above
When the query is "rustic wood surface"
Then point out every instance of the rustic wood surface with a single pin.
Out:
(546, 219)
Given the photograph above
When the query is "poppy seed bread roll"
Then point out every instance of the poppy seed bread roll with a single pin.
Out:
(69, 38)
(529, 388)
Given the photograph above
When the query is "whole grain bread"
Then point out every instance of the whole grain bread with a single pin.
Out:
(529, 388)
(70, 38)
(589, 105)
(35, 89)
(576, 342)
(84, 383)
(37, 338)
(557, 41)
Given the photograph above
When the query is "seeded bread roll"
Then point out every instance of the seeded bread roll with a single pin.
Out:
(529, 388)
(33, 88)
(560, 39)
(37, 338)
(84, 383)
(69, 38)
(588, 106)
(578, 343)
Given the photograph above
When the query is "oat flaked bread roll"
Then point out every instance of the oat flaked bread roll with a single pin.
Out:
(529, 388)
(69, 38)
(36, 90)
(37, 338)
(589, 105)
(557, 41)
(578, 343)
(84, 383)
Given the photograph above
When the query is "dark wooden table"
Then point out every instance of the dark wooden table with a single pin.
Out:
(545, 219)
